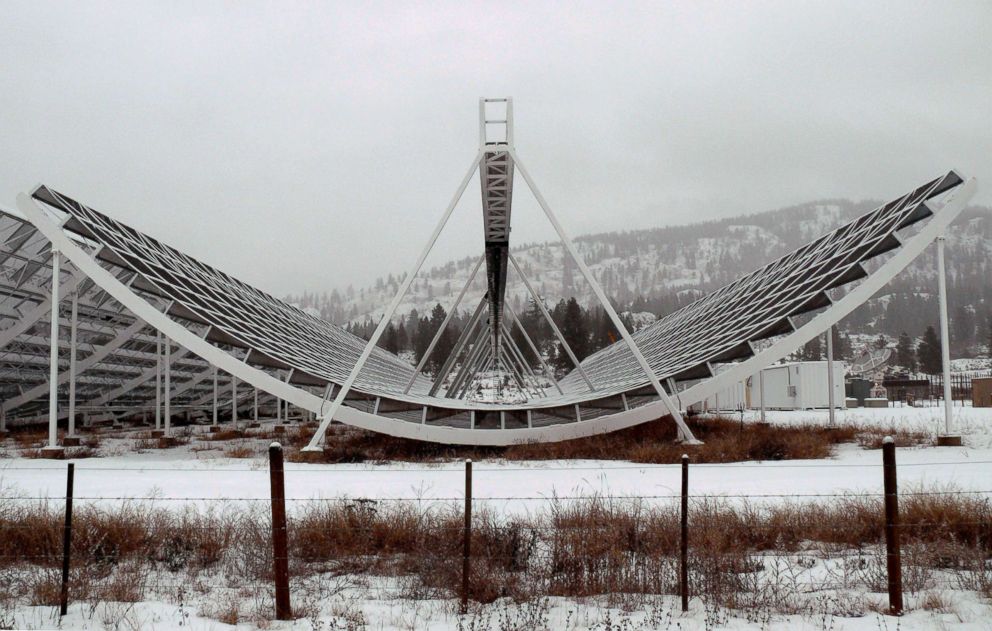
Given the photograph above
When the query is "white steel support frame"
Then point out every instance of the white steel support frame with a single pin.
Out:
(945, 339)
(761, 392)
(456, 352)
(547, 316)
(142, 308)
(325, 422)
(533, 347)
(522, 361)
(167, 358)
(468, 362)
(842, 307)
(71, 426)
(53, 373)
(685, 433)
(830, 377)
(444, 324)
(158, 380)
(214, 421)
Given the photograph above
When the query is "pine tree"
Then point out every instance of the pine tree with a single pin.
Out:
(812, 351)
(445, 343)
(905, 353)
(928, 352)
(574, 329)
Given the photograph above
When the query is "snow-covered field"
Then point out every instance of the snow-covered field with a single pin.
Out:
(176, 476)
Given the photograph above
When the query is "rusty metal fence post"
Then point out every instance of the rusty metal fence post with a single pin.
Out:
(280, 553)
(892, 552)
(66, 541)
(684, 547)
(467, 549)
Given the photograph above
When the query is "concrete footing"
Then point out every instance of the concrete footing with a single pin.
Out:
(54, 453)
(948, 441)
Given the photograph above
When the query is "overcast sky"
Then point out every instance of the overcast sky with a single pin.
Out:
(313, 145)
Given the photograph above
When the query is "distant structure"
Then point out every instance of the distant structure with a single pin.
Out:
(154, 332)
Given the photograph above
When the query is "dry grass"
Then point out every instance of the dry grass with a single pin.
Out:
(741, 554)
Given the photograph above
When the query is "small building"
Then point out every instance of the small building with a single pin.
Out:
(981, 392)
(798, 386)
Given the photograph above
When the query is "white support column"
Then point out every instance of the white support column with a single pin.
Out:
(234, 400)
(761, 393)
(945, 349)
(53, 374)
(71, 432)
(158, 380)
(168, 385)
(830, 377)
(318, 436)
(684, 432)
(215, 397)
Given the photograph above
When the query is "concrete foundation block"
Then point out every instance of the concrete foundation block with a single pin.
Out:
(948, 441)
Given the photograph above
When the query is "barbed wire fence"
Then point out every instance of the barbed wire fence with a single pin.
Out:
(740, 550)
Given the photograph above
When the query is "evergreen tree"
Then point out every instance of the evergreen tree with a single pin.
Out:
(812, 351)
(905, 353)
(928, 352)
(445, 344)
(389, 340)
(574, 329)
(881, 342)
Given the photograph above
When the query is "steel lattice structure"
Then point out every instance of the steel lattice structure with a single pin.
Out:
(137, 310)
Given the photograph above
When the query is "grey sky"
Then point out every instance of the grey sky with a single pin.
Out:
(313, 145)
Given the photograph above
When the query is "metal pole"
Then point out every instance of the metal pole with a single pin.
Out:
(830, 377)
(467, 544)
(168, 385)
(551, 323)
(53, 376)
(67, 541)
(945, 339)
(684, 543)
(761, 392)
(72, 366)
(444, 325)
(318, 436)
(684, 432)
(892, 552)
(158, 380)
(280, 539)
(234, 400)
(215, 397)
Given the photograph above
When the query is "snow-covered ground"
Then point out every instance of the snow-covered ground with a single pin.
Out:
(177, 476)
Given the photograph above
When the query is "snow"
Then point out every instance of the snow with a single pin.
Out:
(176, 476)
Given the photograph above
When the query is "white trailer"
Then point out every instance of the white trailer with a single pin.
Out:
(798, 386)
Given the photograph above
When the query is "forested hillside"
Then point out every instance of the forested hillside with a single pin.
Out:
(658, 270)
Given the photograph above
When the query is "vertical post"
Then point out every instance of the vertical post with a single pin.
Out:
(234, 400)
(945, 340)
(168, 385)
(71, 431)
(892, 553)
(467, 548)
(761, 393)
(158, 380)
(830, 377)
(280, 548)
(684, 547)
(66, 540)
(255, 408)
(53, 373)
(215, 397)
